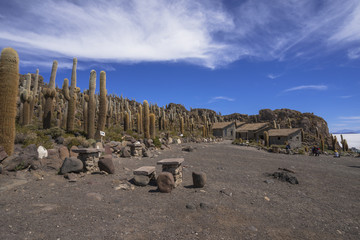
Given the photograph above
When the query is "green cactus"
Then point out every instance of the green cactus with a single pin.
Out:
(146, 120)
(266, 138)
(72, 101)
(141, 129)
(181, 125)
(126, 121)
(322, 144)
(49, 94)
(85, 112)
(26, 98)
(102, 106)
(91, 105)
(35, 94)
(333, 142)
(9, 81)
(152, 125)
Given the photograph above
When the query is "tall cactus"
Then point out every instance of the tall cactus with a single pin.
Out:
(85, 112)
(181, 125)
(146, 120)
(126, 121)
(152, 125)
(141, 129)
(26, 98)
(92, 105)
(266, 138)
(102, 105)
(9, 81)
(72, 101)
(35, 94)
(49, 94)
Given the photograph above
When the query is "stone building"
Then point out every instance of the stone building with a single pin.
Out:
(283, 136)
(252, 131)
(225, 130)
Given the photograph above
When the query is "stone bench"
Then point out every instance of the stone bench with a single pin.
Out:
(173, 166)
(143, 175)
(89, 157)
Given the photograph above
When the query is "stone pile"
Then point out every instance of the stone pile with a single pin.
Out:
(90, 158)
(173, 166)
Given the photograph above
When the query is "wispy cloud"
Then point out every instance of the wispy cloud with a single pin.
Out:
(273, 76)
(307, 87)
(350, 118)
(220, 98)
(346, 97)
(207, 33)
(354, 53)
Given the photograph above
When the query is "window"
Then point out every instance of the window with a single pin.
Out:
(278, 138)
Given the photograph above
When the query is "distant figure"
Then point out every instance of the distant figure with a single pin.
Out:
(288, 148)
(336, 154)
(315, 151)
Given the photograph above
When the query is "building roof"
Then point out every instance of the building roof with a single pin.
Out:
(221, 125)
(282, 132)
(238, 123)
(251, 127)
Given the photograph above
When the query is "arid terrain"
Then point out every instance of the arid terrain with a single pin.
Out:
(239, 201)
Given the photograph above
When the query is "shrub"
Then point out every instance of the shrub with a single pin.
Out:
(157, 142)
(76, 141)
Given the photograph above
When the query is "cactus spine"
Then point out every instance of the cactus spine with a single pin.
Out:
(146, 120)
(152, 125)
(49, 94)
(91, 105)
(102, 105)
(9, 81)
(72, 101)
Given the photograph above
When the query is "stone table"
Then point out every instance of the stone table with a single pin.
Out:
(173, 166)
(144, 175)
(90, 158)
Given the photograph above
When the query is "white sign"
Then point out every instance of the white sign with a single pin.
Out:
(102, 133)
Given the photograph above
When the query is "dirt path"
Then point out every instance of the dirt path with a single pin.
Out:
(235, 204)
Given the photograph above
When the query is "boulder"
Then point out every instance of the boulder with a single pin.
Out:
(141, 180)
(71, 164)
(199, 179)
(73, 154)
(3, 154)
(106, 164)
(165, 182)
(63, 153)
(53, 153)
(188, 149)
(59, 140)
(125, 152)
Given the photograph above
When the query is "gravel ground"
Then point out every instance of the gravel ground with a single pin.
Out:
(240, 201)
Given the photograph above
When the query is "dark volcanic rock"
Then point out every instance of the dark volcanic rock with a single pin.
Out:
(199, 179)
(285, 177)
(71, 164)
(165, 182)
(106, 164)
(3, 154)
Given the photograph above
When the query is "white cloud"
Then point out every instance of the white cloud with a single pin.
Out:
(354, 53)
(219, 98)
(208, 33)
(350, 118)
(273, 76)
(307, 87)
(346, 97)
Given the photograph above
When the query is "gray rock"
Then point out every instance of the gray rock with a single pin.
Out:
(125, 152)
(3, 154)
(199, 179)
(59, 140)
(1, 169)
(165, 182)
(190, 206)
(71, 164)
(141, 180)
(188, 149)
(206, 206)
(106, 164)
(63, 153)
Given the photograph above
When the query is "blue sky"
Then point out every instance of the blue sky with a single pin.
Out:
(229, 56)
